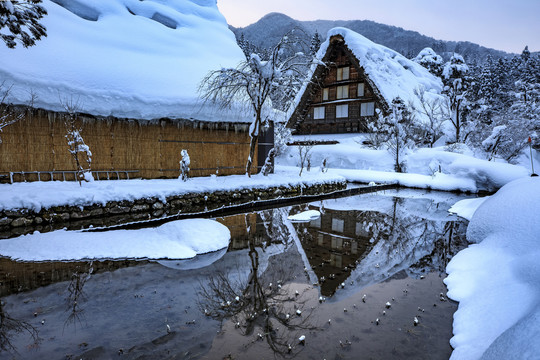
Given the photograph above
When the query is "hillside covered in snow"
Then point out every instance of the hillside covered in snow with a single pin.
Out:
(125, 58)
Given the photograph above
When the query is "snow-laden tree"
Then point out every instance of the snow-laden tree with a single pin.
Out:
(19, 22)
(315, 44)
(79, 151)
(253, 82)
(456, 83)
(396, 132)
(430, 60)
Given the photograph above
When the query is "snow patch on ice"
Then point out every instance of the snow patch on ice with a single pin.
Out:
(305, 216)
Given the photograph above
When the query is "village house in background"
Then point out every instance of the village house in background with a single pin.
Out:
(131, 79)
(359, 78)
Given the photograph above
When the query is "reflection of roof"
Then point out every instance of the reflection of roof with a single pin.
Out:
(126, 58)
(389, 73)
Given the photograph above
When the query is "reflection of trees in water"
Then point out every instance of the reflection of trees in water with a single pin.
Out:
(10, 326)
(448, 242)
(76, 294)
(260, 299)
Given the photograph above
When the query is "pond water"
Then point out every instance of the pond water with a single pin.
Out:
(363, 281)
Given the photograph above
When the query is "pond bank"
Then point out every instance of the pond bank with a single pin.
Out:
(84, 214)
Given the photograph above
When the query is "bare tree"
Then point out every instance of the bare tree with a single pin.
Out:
(8, 114)
(21, 18)
(252, 83)
(77, 148)
(305, 157)
(76, 295)
(436, 110)
(10, 326)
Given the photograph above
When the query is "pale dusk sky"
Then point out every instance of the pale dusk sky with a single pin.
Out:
(506, 25)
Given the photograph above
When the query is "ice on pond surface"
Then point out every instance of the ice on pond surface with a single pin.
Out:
(180, 239)
(370, 245)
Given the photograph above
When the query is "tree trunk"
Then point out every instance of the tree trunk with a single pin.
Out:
(253, 143)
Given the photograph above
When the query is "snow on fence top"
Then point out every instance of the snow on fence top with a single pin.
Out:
(393, 74)
(125, 58)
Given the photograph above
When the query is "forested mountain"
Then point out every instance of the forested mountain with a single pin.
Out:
(268, 30)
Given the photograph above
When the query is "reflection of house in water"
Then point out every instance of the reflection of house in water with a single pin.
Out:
(335, 242)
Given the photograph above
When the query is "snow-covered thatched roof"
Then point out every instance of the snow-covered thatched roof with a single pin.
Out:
(126, 58)
(389, 73)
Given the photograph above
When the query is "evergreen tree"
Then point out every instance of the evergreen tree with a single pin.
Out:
(430, 60)
(456, 80)
(315, 44)
(21, 20)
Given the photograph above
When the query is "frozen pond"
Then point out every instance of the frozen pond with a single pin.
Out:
(363, 280)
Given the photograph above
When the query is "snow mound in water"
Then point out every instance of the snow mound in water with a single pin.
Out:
(180, 239)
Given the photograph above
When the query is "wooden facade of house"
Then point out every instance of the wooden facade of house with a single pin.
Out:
(340, 97)
(35, 148)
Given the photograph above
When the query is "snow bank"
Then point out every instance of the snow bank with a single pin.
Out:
(497, 280)
(38, 195)
(486, 174)
(126, 58)
(463, 172)
(174, 240)
(437, 181)
(466, 208)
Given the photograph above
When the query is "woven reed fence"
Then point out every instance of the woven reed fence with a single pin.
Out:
(152, 149)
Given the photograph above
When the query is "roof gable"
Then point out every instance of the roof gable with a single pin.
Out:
(389, 73)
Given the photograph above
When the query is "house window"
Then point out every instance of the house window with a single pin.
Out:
(360, 89)
(325, 94)
(343, 73)
(343, 92)
(342, 111)
(318, 112)
(337, 225)
(367, 109)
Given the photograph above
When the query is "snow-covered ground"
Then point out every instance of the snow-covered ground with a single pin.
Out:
(426, 168)
(497, 279)
(38, 195)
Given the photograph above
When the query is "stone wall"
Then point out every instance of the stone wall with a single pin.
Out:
(16, 222)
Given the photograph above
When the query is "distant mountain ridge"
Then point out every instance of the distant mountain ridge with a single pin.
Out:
(270, 28)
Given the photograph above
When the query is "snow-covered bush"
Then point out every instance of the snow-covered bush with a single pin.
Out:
(430, 60)
(282, 135)
(185, 162)
(268, 166)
